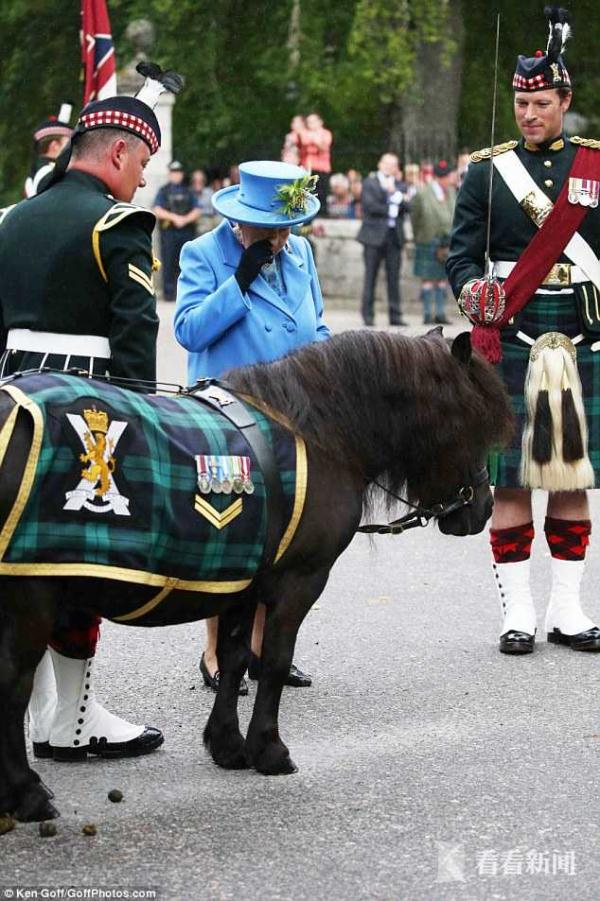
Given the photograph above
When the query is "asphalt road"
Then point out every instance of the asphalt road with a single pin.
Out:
(430, 766)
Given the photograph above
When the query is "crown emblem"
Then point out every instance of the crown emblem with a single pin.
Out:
(97, 420)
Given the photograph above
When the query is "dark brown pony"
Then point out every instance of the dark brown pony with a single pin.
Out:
(374, 409)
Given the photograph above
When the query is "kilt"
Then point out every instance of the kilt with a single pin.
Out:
(427, 265)
(546, 313)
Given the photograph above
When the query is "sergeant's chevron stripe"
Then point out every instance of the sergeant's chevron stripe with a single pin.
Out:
(217, 519)
(138, 275)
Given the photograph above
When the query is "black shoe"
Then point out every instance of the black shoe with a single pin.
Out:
(516, 643)
(398, 322)
(150, 739)
(441, 320)
(427, 320)
(213, 681)
(583, 641)
(369, 322)
(295, 678)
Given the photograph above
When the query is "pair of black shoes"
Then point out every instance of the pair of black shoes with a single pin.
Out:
(296, 678)
(522, 643)
(212, 680)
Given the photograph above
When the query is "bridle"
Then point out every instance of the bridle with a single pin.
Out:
(420, 516)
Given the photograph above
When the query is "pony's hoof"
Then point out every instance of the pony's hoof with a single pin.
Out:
(231, 754)
(35, 805)
(275, 761)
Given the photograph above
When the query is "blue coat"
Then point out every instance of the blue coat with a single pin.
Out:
(223, 328)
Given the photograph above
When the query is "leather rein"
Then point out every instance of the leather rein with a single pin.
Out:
(421, 516)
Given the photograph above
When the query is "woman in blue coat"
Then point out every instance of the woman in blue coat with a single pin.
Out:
(249, 293)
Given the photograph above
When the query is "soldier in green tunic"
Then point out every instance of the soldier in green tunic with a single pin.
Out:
(76, 290)
(528, 177)
(49, 139)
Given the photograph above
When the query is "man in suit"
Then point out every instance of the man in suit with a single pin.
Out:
(381, 234)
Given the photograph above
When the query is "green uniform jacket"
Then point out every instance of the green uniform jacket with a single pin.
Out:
(431, 219)
(512, 229)
(75, 261)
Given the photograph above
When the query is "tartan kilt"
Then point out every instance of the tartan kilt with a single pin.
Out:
(427, 265)
(546, 313)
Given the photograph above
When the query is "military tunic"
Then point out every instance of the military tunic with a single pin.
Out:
(553, 307)
(74, 262)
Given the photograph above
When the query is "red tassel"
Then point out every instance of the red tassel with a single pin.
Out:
(485, 339)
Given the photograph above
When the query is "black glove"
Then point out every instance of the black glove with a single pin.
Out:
(251, 261)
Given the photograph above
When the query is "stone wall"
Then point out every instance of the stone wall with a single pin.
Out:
(341, 269)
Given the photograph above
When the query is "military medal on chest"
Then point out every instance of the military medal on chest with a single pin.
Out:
(584, 191)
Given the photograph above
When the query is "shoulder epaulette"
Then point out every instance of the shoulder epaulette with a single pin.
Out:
(486, 153)
(116, 214)
(4, 213)
(586, 142)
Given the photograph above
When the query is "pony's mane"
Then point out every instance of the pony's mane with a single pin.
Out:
(399, 410)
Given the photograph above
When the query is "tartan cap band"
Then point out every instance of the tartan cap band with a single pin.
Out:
(125, 113)
(52, 130)
(124, 121)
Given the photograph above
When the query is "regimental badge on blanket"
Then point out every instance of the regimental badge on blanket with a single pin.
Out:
(584, 191)
(97, 490)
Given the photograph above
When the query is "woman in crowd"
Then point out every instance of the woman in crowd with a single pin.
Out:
(249, 293)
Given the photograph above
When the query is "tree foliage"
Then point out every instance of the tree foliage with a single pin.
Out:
(250, 67)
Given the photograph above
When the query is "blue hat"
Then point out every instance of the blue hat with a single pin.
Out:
(272, 194)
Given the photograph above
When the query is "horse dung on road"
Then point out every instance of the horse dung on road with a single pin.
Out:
(155, 509)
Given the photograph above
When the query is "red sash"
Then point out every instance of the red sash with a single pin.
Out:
(540, 255)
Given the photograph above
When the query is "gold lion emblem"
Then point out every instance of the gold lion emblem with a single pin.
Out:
(101, 466)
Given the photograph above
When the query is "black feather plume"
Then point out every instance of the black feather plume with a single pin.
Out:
(559, 31)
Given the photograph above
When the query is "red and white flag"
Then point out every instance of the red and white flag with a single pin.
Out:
(97, 52)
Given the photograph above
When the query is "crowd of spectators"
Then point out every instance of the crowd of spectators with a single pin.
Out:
(308, 143)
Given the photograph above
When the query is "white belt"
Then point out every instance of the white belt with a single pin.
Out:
(56, 343)
(503, 269)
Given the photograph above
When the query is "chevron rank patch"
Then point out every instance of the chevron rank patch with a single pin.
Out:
(139, 276)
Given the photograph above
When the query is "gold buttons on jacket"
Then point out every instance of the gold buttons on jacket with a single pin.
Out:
(548, 164)
(548, 183)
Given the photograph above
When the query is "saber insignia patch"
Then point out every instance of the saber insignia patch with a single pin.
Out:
(584, 191)
(97, 491)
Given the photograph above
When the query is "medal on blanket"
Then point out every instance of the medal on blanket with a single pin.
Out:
(215, 472)
(247, 482)
(226, 481)
(203, 474)
(584, 191)
(236, 467)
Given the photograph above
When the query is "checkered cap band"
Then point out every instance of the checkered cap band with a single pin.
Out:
(118, 119)
(57, 131)
(539, 82)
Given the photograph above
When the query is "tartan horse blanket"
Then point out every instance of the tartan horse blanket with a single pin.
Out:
(152, 489)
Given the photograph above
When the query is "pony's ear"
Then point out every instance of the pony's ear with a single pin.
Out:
(461, 348)
(435, 334)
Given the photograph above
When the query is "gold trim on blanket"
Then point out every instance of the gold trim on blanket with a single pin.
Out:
(21, 400)
(120, 574)
(145, 608)
(299, 499)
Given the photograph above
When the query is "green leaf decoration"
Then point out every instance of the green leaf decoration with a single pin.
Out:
(294, 195)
